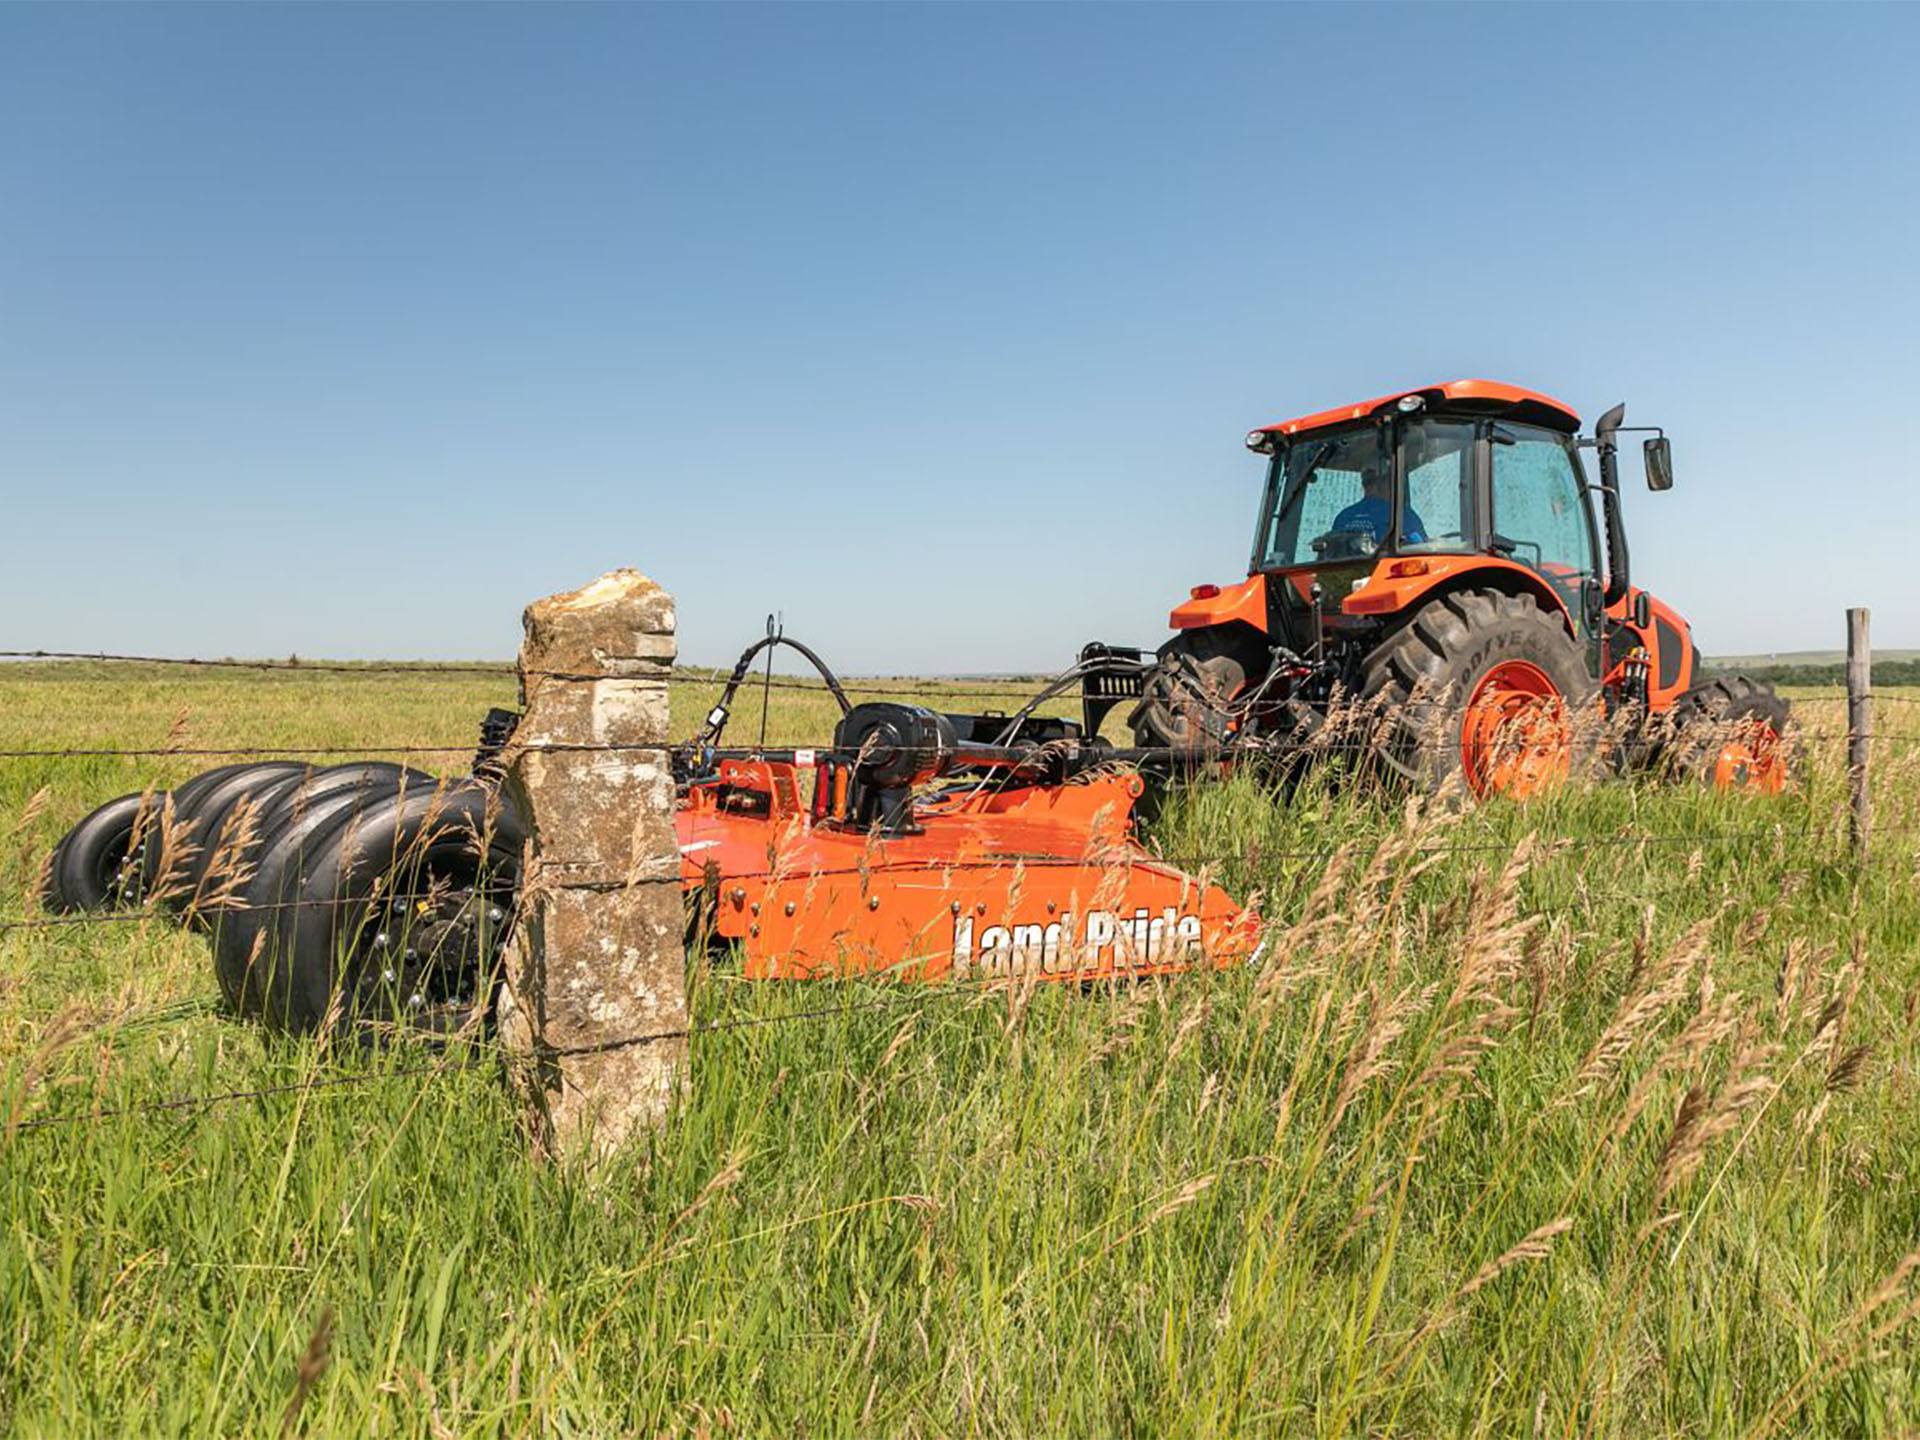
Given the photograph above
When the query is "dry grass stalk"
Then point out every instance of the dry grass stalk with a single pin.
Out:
(1536, 1245)
(1477, 1013)
(72, 1025)
(1126, 1018)
(1279, 976)
(1715, 1020)
(1791, 976)
(35, 869)
(177, 848)
(721, 1181)
(1370, 1057)
(1185, 1196)
(229, 869)
(1639, 1013)
(307, 1371)
(180, 731)
(1702, 1120)
(901, 1037)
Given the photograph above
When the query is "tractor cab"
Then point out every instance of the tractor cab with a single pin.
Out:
(1444, 541)
(1424, 487)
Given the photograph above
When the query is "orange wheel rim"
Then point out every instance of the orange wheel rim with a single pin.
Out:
(1751, 759)
(1515, 739)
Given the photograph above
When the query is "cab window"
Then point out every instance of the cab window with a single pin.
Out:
(1437, 456)
(1333, 495)
(1540, 514)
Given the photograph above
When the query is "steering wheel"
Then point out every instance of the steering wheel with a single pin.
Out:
(1345, 545)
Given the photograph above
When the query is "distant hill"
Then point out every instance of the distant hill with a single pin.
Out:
(1804, 657)
(1819, 667)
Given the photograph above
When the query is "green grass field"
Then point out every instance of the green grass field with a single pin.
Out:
(1609, 1131)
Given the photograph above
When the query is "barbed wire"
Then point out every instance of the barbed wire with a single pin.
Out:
(466, 747)
(1239, 749)
(1206, 863)
(866, 685)
(482, 1048)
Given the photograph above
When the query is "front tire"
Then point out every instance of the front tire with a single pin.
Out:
(1483, 689)
(1731, 732)
(1187, 702)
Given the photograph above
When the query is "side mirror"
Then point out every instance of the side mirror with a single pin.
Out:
(1659, 463)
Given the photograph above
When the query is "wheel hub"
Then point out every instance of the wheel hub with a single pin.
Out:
(1751, 760)
(1515, 736)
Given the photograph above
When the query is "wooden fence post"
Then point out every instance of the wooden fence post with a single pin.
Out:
(597, 962)
(1859, 727)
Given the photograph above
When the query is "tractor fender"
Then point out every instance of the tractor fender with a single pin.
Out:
(1211, 605)
(1400, 583)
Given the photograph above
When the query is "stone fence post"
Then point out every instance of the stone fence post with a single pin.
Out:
(597, 958)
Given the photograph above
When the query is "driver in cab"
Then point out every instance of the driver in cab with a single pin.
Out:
(1372, 514)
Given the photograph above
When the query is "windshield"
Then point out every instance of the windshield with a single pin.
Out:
(1334, 497)
(1330, 497)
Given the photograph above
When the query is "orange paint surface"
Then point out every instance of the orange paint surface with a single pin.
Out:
(1245, 602)
(1493, 390)
(1041, 880)
(1398, 583)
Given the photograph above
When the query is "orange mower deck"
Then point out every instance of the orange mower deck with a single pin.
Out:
(1039, 880)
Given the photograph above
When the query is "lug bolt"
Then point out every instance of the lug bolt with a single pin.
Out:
(873, 902)
(416, 1000)
(789, 907)
(387, 975)
(380, 939)
(955, 907)
(755, 907)
(494, 912)
(753, 930)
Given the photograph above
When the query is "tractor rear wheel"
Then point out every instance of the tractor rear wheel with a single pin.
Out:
(1731, 732)
(1481, 685)
(1187, 701)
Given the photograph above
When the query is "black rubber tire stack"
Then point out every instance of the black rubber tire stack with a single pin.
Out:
(100, 864)
(350, 896)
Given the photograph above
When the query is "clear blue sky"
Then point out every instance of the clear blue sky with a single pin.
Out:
(348, 330)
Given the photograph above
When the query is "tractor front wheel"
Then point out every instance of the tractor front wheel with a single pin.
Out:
(1731, 732)
(1187, 701)
(1484, 686)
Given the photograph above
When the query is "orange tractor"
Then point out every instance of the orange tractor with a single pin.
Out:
(1432, 562)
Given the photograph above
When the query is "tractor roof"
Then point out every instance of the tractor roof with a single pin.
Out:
(1460, 397)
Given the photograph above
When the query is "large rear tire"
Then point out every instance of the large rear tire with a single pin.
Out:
(1482, 689)
(1187, 701)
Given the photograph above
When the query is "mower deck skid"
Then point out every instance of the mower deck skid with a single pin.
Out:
(1030, 880)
